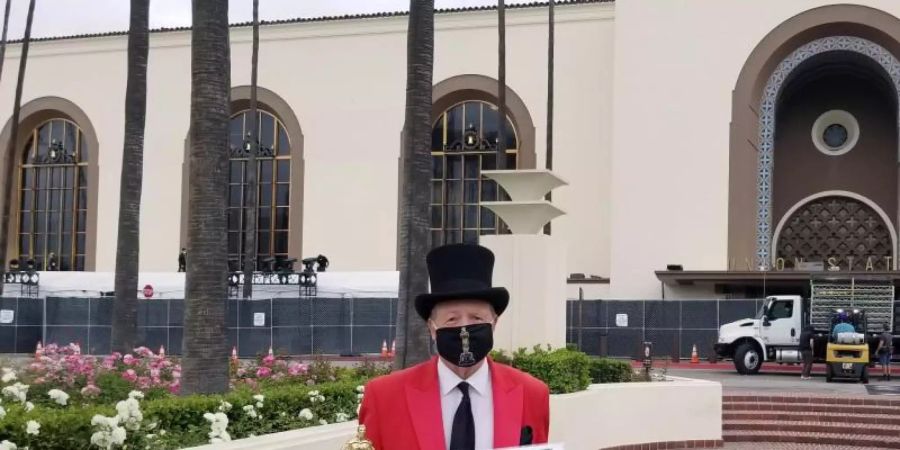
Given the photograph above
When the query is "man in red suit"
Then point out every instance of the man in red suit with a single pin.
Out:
(461, 399)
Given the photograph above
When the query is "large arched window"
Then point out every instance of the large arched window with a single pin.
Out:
(53, 196)
(273, 193)
(463, 143)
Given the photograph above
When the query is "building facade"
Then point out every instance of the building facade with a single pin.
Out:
(718, 136)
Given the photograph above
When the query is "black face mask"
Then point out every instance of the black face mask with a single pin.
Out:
(465, 346)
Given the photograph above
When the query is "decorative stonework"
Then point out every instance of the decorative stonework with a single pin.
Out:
(842, 228)
(766, 158)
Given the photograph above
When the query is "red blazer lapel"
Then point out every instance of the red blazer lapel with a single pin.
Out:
(508, 402)
(424, 401)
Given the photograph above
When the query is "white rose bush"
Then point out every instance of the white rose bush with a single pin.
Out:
(64, 399)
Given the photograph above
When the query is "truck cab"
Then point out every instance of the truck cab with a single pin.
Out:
(772, 335)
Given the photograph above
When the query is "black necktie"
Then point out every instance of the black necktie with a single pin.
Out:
(462, 437)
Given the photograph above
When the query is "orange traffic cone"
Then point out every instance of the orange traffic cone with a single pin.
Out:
(384, 350)
(393, 348)
(695, 358)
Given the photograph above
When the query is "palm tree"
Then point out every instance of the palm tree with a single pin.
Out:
(124, 325)
(501, 85)
(205, 349)
(551, 31)
(251, 190)
(413, 239)
(12, 149)
(3, 39)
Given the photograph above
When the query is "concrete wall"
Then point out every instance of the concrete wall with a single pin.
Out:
(345, 81)
(677, 410)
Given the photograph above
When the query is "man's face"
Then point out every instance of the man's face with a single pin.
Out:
(458, 313)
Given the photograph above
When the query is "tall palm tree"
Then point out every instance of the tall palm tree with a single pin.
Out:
(3, 39)
(501, 84)
(12, 149)
(413, 239)
(551, 31)
(124, 325)
(250, 193)
(205, 349)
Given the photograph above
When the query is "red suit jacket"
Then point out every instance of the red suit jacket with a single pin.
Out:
(402, 411)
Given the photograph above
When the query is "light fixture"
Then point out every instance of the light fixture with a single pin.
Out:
(321, 263)
(234, 280)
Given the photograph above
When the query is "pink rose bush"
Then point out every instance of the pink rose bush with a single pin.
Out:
(267, 369)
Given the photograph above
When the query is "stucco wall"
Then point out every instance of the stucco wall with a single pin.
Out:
(676, 64)
(345, 81)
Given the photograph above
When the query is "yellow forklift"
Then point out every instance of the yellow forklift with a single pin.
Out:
(847, 352)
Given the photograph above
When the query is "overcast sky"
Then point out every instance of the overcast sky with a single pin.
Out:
(67, 17)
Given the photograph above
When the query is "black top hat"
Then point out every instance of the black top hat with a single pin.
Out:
(461, 271)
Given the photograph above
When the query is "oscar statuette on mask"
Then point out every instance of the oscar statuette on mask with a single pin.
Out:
(359, 442)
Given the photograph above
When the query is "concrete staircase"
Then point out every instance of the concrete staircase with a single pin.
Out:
(859, 422)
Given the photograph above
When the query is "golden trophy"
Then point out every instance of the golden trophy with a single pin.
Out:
(359, 442)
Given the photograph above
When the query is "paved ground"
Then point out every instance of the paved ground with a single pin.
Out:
(780, 383)
(786, 446)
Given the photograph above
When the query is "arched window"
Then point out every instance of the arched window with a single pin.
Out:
(53, 197)
(463, 143)
(273, 193)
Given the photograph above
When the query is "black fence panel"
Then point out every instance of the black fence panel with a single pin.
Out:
(618, 328)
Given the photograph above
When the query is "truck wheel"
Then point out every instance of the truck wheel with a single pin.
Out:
(865, 375)
(747, 359)
(828, 375)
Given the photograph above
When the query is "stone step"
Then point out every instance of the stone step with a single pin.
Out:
(809, 407)
(810, 416)
(862, 429)
(810, 399)
(831, 439)
(790, 446)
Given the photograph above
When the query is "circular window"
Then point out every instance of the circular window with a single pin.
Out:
(835, 135)
(835, 132)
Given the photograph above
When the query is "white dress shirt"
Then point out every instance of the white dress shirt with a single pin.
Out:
(481, 397)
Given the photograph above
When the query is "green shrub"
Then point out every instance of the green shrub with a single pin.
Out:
(604, 370)
(563, 370)
(501, 357)
(182, 417)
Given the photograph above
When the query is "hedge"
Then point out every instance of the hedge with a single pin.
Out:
(182, 417)
(605, 370)
(565, 370)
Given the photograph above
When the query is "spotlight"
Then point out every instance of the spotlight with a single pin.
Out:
(234, 280)
(31, 279)
(322, 263)
(287, 265)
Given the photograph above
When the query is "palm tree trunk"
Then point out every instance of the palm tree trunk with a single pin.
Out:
(3, 39)
(251, 192)
(205, 363)
(501, 85)
(413, 240)
(551, 31)
(12, 148)
(124, 325)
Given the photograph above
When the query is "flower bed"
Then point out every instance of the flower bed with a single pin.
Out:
(65, 400)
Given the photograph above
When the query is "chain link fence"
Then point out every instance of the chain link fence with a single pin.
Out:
(618, 328)
(290, 326)
(356, 326)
